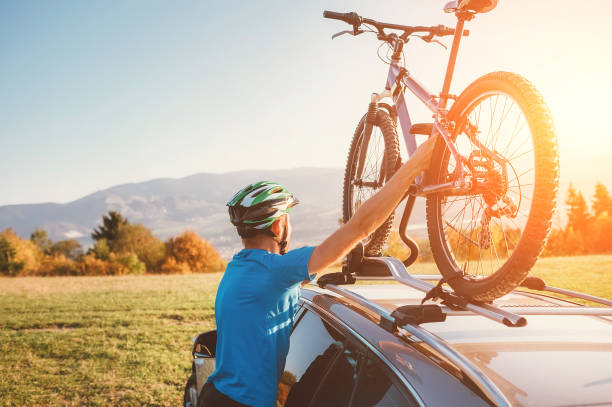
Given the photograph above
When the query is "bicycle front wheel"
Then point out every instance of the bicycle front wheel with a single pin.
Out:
(493, 234)
(378, 154)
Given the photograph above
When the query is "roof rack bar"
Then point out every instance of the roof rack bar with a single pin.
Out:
(488, 388)
(538, 284)
(546, 310)
(577, 294)
(426, 277)
(398, 270)
(384, 314)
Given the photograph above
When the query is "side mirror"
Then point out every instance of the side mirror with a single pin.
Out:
(451, 7)
(205, 345)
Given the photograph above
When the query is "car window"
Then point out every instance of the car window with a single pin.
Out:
(313, 347)
(376, 389)
(337, 386)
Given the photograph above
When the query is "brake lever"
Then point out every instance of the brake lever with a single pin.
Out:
(429, 38)
(354, 32)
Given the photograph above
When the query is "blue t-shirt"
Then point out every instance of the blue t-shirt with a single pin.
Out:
(254, 309)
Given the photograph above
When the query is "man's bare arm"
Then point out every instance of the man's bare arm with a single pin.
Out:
(372, 213)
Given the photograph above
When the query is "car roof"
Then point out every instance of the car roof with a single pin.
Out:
(554, 360)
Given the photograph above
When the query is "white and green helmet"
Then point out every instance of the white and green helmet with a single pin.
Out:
(258, 205)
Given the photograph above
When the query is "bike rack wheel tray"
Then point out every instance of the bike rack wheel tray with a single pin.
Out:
(395, 270)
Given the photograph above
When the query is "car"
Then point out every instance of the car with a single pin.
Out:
(376, 345)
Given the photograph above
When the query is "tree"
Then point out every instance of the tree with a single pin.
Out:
(100, 250)
(601, 200)
(8, 265)
(603, 233)
(574, 242)
(577, 211)
(109, 229)
(69, 248)
(40, 238)
(190, 250)
(139, 240)
(26, 252)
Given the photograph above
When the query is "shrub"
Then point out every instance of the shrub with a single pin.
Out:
(190, 250)
(92, 266)
(58, 265)
(131, 262)
(171, 266)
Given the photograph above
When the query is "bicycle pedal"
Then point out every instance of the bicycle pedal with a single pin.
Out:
(422, 128)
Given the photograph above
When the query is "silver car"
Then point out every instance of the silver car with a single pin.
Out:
(376, 345)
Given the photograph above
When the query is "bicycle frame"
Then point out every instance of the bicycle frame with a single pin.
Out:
(400, 77)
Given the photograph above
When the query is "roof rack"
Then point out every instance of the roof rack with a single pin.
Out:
(536, 283)
(454, 305)
(489, 390)
(399, 273)
(458, 305)
(531, 282)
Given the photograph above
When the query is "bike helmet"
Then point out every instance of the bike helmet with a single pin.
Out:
(256, 206)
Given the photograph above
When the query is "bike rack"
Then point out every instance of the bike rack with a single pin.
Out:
(452, 305)
(399, 273)
(470, 371)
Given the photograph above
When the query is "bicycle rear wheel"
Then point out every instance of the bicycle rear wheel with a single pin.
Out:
(380, 154)
(493, 234)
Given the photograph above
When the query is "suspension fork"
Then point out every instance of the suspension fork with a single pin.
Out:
(367, 134)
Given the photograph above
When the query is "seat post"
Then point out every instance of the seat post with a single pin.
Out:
(461, 18)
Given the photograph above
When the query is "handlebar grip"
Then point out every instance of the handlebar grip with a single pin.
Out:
(350, 18)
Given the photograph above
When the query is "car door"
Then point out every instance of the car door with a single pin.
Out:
(313, 348)
(327, 366)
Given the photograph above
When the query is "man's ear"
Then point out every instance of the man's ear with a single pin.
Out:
(276, 227)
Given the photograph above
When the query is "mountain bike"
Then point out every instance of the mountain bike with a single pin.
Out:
(491, 188)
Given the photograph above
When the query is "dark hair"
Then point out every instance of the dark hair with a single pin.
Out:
(248, 232)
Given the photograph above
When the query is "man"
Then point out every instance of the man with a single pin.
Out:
(258, 295)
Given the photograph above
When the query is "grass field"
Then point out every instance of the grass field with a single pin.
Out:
(126, 340)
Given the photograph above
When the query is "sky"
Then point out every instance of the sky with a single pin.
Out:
(99, 93)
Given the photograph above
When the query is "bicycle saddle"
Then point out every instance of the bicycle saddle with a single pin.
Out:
(478, 6)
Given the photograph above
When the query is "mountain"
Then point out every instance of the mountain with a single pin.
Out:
(168, 206)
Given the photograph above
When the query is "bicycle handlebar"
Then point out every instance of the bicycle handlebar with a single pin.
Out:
(356, 20)
(349, 18)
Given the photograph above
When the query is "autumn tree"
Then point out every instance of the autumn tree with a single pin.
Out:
(70, 248)
(577, 211)
(26, 252)
(109, 229)
(40, 238)
(601, 200)
(139, 240)
(189, 252)
(100, 250)
(8, 265)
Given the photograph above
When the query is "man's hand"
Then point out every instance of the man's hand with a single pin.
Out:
(373, 212)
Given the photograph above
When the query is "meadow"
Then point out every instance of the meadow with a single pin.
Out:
(100, 341)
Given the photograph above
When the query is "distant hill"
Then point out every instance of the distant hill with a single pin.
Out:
(168, 206)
